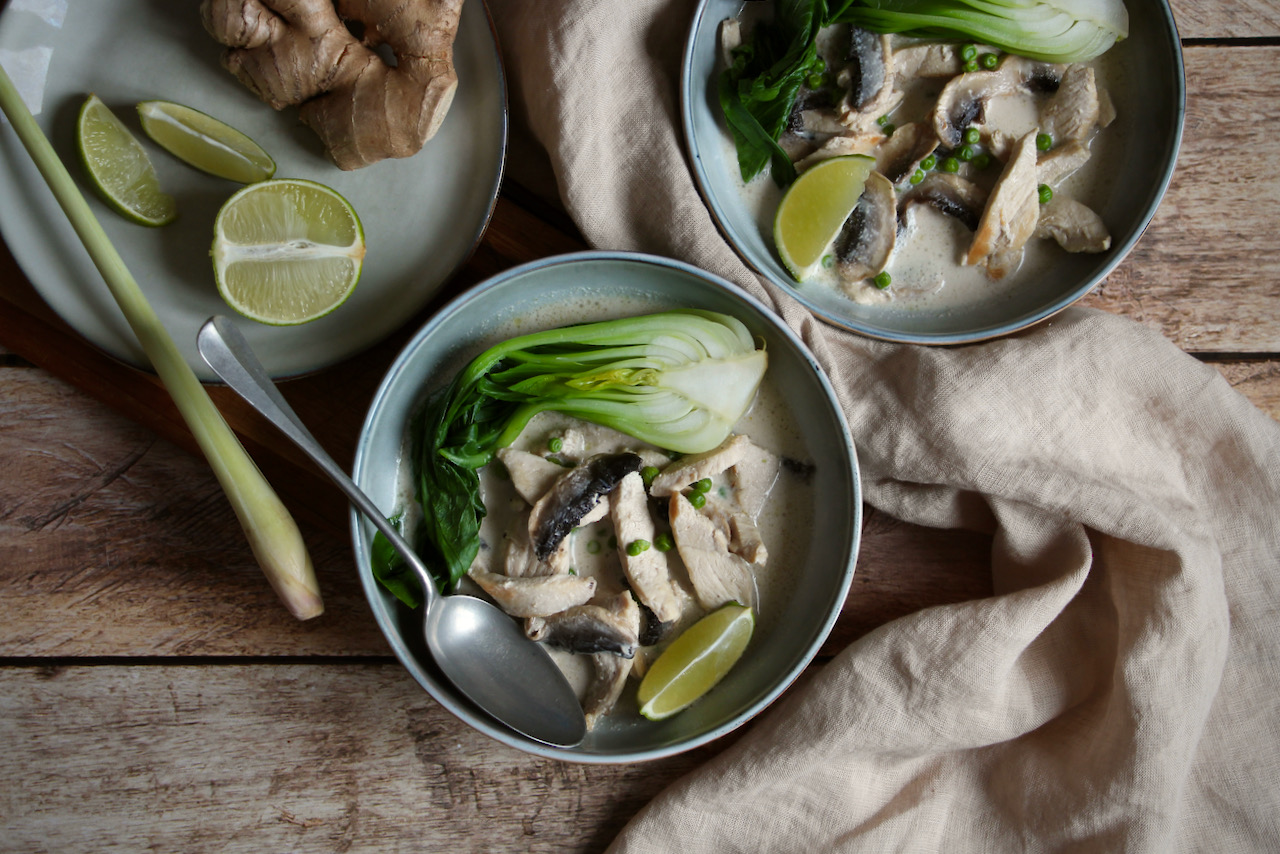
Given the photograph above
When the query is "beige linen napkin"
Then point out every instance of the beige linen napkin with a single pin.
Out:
(1119, 690)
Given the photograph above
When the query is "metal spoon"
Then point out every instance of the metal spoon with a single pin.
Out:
(481, 650)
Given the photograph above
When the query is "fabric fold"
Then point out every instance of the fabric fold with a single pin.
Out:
(1117, 689)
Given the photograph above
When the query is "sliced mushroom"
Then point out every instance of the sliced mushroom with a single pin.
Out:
(1075, 226)
(573, 495)
(963, 101)
(868, 79)
(610, 678)
(1009, 219)
(865, 242)
(948, 194)
(839, 146)
(900, 155)
(537, 596)
(588, 629)
(647, 571)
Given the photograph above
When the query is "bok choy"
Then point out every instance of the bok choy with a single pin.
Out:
(678, 380)
(1047, 30)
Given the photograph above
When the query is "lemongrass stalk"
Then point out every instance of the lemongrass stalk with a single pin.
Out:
(277, 544)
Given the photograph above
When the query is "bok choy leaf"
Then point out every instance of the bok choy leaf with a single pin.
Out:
(678, 380)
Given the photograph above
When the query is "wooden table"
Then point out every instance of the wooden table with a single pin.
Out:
(154, 694)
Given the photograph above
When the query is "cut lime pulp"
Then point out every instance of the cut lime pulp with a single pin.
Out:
(204, 142)
(696, 661)
(814, 209)
(119, 167)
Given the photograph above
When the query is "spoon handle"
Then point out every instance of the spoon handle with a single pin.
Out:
(224, 348)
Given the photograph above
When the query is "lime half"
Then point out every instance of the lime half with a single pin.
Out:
(205, 142)
(814, 209)
(119, 167)
(696, 661)
(287, 251)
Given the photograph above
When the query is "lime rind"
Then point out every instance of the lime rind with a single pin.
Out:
(815, 208)
(204, 142)
(119, 168)
(287, 251)
(696, 662)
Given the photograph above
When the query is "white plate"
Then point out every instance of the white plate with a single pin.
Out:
(422, 215)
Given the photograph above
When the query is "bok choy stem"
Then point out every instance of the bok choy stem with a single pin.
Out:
(277, 544)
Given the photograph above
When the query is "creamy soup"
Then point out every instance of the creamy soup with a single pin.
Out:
(926, 266)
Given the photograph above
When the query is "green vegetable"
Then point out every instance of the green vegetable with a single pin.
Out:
(989, 61)
(678, 380)
(966, 153)
(950, 164)
(969, 52)
(928, 163)
(917, 176)
(698, 499)
(647, 474)
(970, 66)
(703, 485)
(636, 547)
(759, 89)
(1044, 142)
(1046, 193)
(1047, 30)
(982, 161)
(883, 280)
(972, 135)
(274, 537)
(555, 445)
(663, 542)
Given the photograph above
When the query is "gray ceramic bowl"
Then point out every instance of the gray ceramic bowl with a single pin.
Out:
(1150, 108)
(601, 285)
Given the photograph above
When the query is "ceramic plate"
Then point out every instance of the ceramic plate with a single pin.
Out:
(422, 215)
(599, 285)
(1150, 108)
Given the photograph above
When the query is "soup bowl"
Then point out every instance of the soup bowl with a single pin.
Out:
(1148, 89)
(594, 286)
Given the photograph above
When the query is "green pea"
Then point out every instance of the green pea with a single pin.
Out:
(635, 547)
(889, 129)
(828, 261)
(968, 52)
(647, 474)
(815, 80)
(663, 542)
(989, 61)
(917, 176)
(593, 547)
(819, 64)
(950, 164)
(883, 280)
(703, 485)
(928, 163)
(697, 499)
(1044, 142)
(971, 66)
(882, 121)
(972, 136)
(966, 153)
(1046, 194)
(555, 444)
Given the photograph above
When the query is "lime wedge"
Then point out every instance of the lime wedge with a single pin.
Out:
(696, 661)
(287, 251)
(204, 142)
(814, 209)
(119, 167)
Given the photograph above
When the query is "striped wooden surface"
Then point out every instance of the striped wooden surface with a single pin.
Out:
(153, 693)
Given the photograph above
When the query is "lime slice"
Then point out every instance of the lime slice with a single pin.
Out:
(119, 167)
(696, 661)
(287, 251)
(814, 208)
(205, 143)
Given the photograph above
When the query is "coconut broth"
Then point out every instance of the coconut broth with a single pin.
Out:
(785, 522)
(926, 268)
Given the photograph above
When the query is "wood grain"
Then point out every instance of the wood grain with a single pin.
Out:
(284, 757)
(1229, 19)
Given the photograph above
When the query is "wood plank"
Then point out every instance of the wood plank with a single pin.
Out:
(293, 757)
(1226, 19)
(116, 543)
(1257, 380)
(1207, 271)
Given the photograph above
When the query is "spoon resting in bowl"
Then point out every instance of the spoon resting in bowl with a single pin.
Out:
(480, 649)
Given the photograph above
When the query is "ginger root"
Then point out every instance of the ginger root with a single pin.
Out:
(301, 52)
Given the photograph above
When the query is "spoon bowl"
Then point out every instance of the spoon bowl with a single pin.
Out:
(480, 649)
